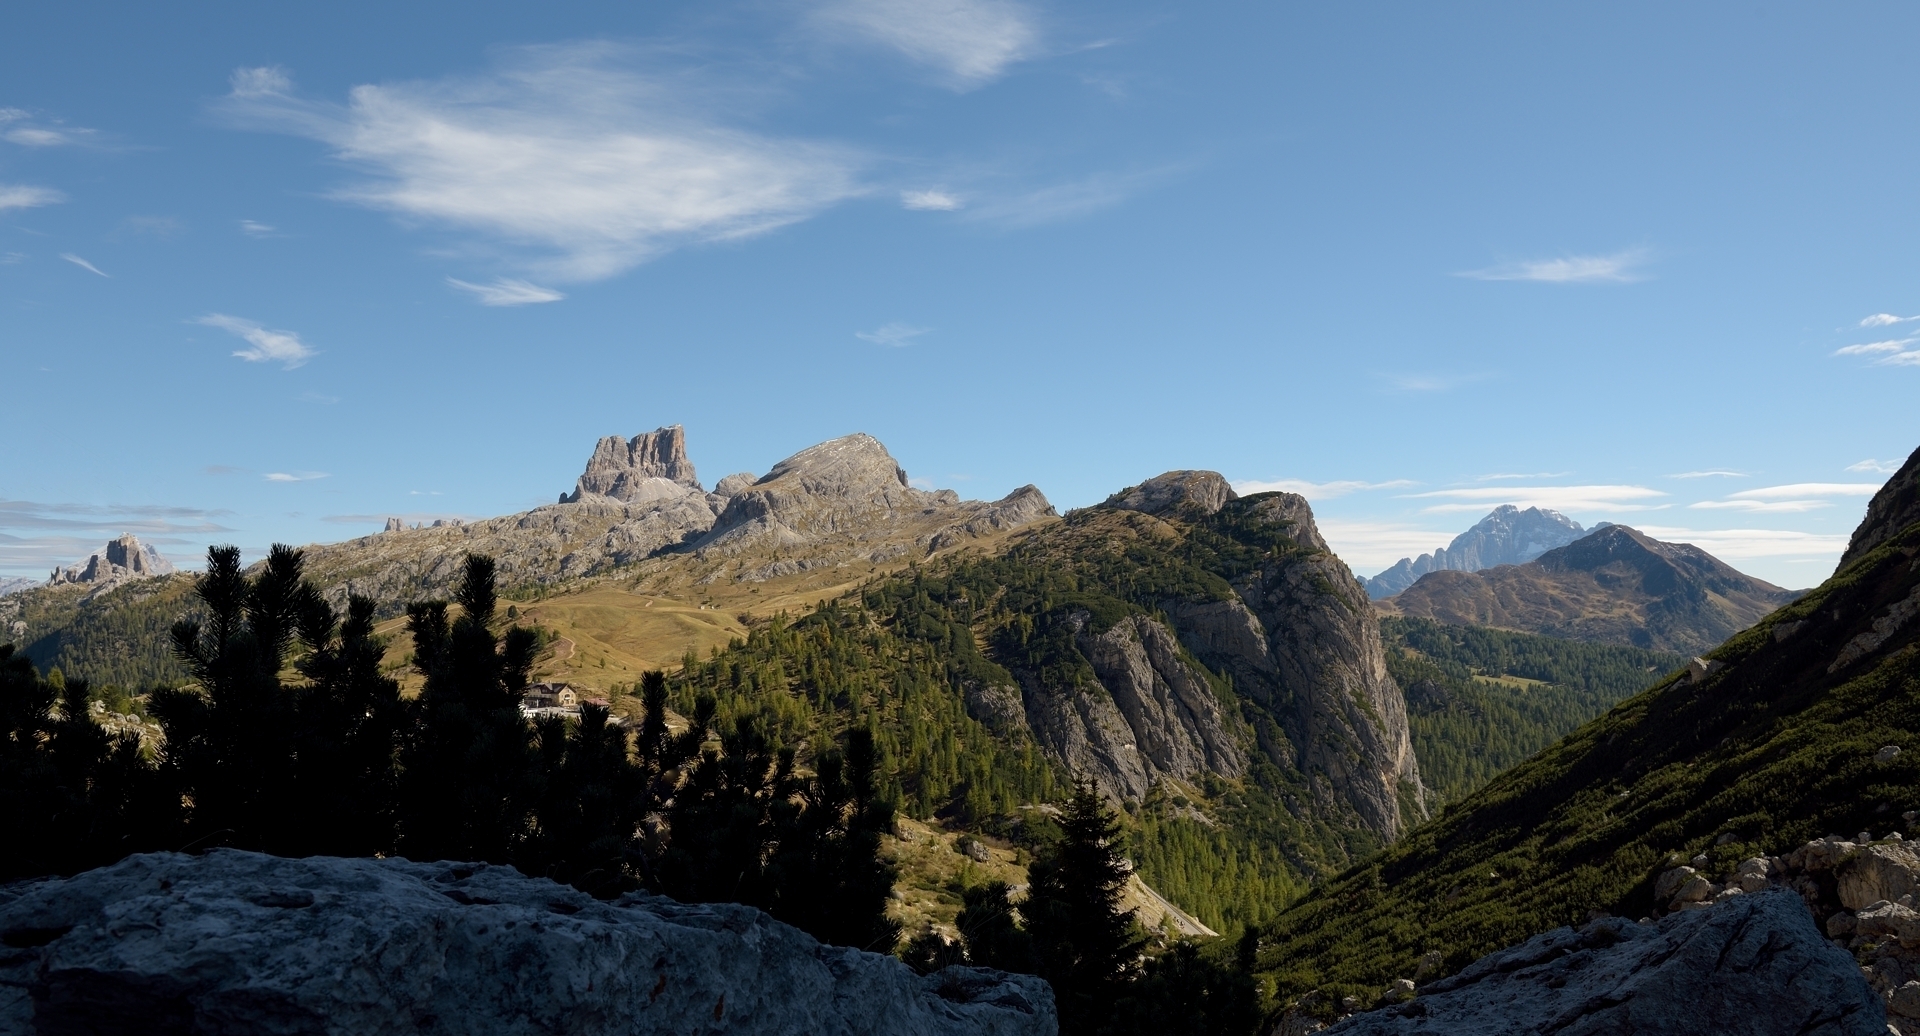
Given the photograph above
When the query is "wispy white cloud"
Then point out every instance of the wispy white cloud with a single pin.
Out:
(1885, 320)
(252, 228)
(23, 196)
(1744, 544)
(1314, 490)
(18, 126)
(1606, 499)
(929, 201)
(1878, 467)
(1762, 506)
(505, 291)
(282, 347)
(1368, 546)
(1895, 352)
(893, 334)
(1710, 474)
(294, 476)
(1788, 499)
(1063, 201)
(81, 263)
(1874, 348)
(971, 42)
(1618, 268)
(563, 151)
(1807, 489)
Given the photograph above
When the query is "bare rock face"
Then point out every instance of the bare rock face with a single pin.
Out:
(1892, 509)
(1207, 491)
(846, 499)
(1754, 964)
(1159, 717)
(1326, 659)
(643, 469)
(241, 942)
(123, 558)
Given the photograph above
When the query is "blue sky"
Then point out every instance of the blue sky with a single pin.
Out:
(273, 274)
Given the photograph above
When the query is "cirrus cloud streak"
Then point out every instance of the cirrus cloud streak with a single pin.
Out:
(565, 152)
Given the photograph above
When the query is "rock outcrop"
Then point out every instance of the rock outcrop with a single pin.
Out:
(1158, 718)
(1755, 965)
(1615, 586)
(1893, 508)
(123, 558)
(848, 498)
(1205, 491)
(1507, 536)
(242, 942)
(640, 470)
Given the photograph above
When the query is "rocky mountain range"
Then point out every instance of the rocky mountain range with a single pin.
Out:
(837, 504)
(1615, 586)
(15, 584)
(1507, 536)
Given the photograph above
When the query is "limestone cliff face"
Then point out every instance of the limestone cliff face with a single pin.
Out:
(1326, 665)
(642, 469)
(1158, 717)
(123, 558)
(1289, 630)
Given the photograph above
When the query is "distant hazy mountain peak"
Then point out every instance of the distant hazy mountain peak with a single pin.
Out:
(124, 557)
(1506, 536)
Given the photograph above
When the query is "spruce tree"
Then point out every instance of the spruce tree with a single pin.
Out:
(1085, 944)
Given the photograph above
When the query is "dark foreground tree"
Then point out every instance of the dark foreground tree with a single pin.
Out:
(337, 763)
(1084, 943)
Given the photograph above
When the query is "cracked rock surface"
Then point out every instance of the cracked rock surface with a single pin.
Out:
(1753, 964)
(238, 942)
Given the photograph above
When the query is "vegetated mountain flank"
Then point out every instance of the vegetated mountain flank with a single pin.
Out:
(842, 502)
(1806, 724)
(1480, 700)
(1507, 536)
(1201, 657)
(1616, 586)
(123, 558)
(104, 619)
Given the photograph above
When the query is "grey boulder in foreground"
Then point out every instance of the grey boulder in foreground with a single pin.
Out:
(237, 942)
(1753, 965)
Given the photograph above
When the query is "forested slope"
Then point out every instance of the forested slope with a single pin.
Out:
(1778, 745)
(1480, 700)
